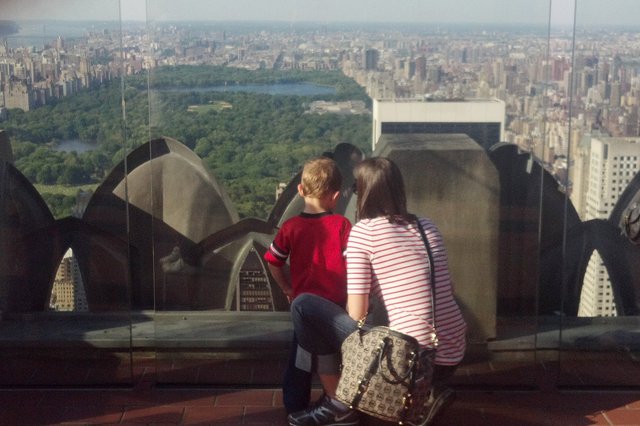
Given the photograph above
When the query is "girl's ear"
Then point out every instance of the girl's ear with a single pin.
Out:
(300, 190)
(335, 196)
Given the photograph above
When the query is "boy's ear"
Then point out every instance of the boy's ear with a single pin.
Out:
(300, 190)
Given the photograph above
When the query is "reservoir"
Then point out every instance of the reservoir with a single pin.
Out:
(74, 145)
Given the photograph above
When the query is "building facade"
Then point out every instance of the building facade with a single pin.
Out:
(480, 119)
(613, 162)
(68, 292)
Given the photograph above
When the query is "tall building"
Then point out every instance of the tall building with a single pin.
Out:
(480, 119)
(67, 293)
(421, 68)
(613, 162)
(372, 56)
(254, 291)
(614, 100)
(17, 94)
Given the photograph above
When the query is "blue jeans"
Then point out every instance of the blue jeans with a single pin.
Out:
(319, 324)
(296, 383)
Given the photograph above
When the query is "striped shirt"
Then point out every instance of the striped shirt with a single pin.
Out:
(390, 261)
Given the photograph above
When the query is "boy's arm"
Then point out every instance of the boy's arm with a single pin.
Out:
(282, 279)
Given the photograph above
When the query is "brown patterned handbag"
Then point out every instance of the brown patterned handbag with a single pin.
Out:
(385, 373)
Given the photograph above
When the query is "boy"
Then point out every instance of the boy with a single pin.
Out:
(314, 242)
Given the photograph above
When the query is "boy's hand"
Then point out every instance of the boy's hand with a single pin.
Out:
(289, 293)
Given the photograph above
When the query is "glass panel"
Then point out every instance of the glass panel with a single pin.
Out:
(242, 93)
(603, 157)
(64, 247)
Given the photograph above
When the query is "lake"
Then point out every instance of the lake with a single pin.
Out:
(74, 145)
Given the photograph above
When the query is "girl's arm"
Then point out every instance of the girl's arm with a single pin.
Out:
(357, 305)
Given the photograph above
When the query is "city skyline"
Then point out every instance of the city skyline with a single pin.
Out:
(560, 12)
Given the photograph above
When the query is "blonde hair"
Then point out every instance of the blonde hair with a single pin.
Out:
(320, 177)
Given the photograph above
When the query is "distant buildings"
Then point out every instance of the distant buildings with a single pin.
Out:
(503, 87)
(17, 94)
(613, 163)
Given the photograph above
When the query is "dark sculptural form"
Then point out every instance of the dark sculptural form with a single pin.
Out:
(178, 244)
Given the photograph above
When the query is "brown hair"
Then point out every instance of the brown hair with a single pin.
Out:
(320, 177)
(380, 190)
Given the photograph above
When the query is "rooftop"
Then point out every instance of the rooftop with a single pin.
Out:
(201, 368)
(147, 402)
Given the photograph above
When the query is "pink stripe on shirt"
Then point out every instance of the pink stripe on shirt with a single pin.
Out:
(391, 261)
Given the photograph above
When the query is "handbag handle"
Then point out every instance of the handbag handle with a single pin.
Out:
(432, 270)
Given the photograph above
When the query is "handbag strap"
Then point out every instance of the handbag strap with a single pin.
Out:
(370, 371)
(432, 270)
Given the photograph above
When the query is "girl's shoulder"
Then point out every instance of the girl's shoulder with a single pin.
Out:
(371, 222)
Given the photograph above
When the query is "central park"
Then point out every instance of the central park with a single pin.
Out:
(251, 140)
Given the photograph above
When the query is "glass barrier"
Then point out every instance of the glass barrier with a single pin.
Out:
(602, 153)
(151, 151)
(239, 100)
(65, 284)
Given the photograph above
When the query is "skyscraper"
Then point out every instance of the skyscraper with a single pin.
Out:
(480, 119)
(613, 162)
(67, 293)
(371, 59)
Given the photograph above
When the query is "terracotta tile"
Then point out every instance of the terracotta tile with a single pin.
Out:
(186, 397)
(253, 397)
(213, 415)
(154, 414)
(130, 398)
(261, 415)
(27, 414)
(633, 403)
(93, 414)
(622, 416)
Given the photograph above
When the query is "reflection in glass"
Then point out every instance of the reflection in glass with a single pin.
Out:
(602, 185)
(61, 122)
(169, 204)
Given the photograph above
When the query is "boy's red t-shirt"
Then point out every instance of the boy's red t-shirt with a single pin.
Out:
(315, 246)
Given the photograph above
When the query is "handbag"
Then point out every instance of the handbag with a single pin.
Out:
(385, 373)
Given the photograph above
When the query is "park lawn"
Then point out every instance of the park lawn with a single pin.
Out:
(213, 106)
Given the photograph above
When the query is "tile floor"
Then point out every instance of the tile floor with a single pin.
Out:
(149, 402)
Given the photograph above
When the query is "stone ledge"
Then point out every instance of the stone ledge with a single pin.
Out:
(148, 330)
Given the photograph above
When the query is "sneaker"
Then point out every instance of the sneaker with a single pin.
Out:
(438, 405)
(324, 413)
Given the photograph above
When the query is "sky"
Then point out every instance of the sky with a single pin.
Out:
(328, 11)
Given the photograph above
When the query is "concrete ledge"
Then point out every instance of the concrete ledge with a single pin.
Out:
(148, 330)
(262, 332)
